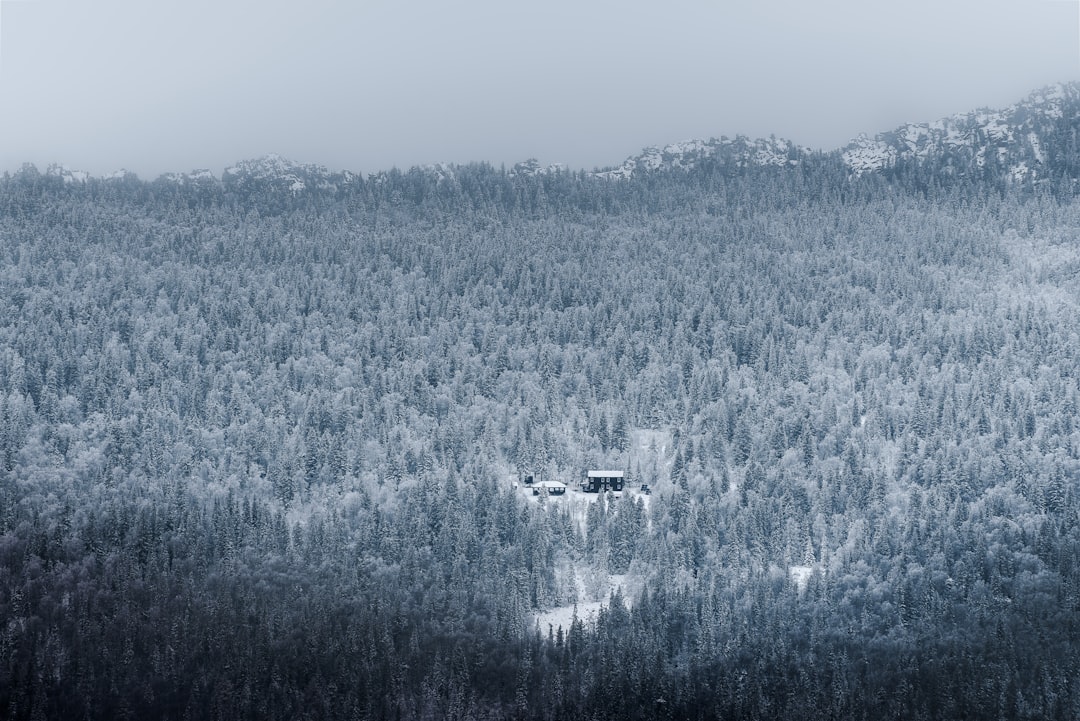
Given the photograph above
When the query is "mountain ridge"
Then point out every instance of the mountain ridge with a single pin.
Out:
(1015, 138)
(1022, 142)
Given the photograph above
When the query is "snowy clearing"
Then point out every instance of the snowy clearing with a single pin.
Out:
(563, 616)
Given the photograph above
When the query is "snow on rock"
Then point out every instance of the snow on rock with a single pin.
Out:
(689, 154)
(866, 155)
(441, 172)
(1036, 147)
(201, 176)
(67, 174)
(269, 166)
(1019, 172)
(532, 168)
(1013, 136)
(279, 172)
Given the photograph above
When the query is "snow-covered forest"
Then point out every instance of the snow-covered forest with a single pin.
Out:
(260, 446)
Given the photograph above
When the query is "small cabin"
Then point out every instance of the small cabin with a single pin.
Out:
(553, 488)
(598, 481)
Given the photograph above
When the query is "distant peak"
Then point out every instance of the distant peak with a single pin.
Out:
(1012, 139)
(532, 167)
(67, 174)
(270, 164)
(1023, 142)
(688, 154)
(441, 172)
(284, 174)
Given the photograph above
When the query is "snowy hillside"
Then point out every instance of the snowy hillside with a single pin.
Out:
(1030, 140)
(259, 440)
(532, 167)
(1021, 141)
(67, 174)
(1015, 140)
(283, 174)
(739, 152)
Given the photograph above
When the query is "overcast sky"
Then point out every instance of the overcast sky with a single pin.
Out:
(365, 85)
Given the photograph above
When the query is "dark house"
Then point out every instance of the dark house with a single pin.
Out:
(597, 481)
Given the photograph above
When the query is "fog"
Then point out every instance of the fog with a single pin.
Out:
(152, 87)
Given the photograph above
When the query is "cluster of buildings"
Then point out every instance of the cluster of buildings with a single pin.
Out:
(593, 482)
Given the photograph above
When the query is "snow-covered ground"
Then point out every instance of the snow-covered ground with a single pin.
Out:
(648, 460)
(800, 575)
(577, 501)
(563, 616)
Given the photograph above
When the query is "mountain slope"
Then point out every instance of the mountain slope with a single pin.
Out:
(687, 155)
(1028, 140)
(1034, 139)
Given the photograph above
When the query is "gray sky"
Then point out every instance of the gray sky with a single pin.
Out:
(365, 85)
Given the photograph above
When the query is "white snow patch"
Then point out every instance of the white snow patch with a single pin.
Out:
(917, 138)
(1019, 172)
(955, 137)
(994, 126)
(623, 172)
(563, 616)
(687, 154)
(1036, 147)
(866, 155)
(651, 159)
(440, 171)
(67, 174)
(800, 576)
(531, 168)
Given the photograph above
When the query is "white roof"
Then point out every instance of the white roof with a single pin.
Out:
(551, 484)
(605, 474)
